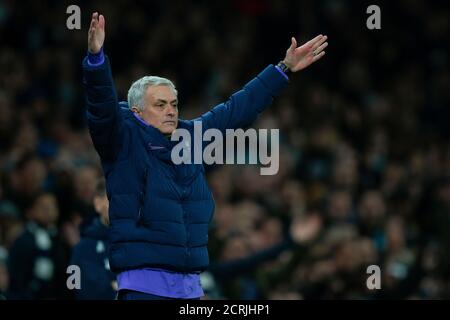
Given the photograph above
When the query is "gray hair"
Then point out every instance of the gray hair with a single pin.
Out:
(136, 93)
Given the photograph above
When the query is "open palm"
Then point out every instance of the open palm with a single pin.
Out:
(96, 34)
(298, 58)
(305, 229)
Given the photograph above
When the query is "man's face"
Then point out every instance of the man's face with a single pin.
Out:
(161, 109)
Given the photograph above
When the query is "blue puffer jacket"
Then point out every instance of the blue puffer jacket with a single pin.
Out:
(159, 211)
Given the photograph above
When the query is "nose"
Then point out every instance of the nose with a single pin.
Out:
(171, 111)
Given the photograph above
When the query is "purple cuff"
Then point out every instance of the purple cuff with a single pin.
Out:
(281, 71)
(96, 59)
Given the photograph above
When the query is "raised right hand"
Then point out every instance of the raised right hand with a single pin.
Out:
(96, 34)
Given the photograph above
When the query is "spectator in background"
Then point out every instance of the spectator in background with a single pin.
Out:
(232, 273)
(85, 181)
(26, 180)
(10, 224)
(4, 275)
(36, 262)
(91, 254)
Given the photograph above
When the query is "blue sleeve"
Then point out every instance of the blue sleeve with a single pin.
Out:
(234, 268)
(282, 72)
(95, 59)
(243, 107)
(103, 116)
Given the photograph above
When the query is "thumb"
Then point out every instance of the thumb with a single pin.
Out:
(293, 44)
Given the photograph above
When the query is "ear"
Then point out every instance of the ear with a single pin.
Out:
(135, 110)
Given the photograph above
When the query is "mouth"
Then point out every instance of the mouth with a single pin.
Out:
(170, 122)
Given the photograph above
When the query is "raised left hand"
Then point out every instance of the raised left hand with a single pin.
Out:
(298, 58)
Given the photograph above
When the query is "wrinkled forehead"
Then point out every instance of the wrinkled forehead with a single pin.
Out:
(161, 92)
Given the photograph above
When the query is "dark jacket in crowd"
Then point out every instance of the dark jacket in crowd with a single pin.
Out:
(37, 265)
(91, 256)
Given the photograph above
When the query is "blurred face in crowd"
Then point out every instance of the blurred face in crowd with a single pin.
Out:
(85, 180)
(161, 109)
(236, 247)
(444, 194)
(353, 254)
(224, 220)
(248, 213)
(220, 182)
(45, 210)
(271, 232)
(345, 172)
(340, 206)
(5, 111)
(395, 234)
(4, 277)
(27, 137)
(346, 257)
(10, 229)
(31, 176)
(372, 208)
(101, 205)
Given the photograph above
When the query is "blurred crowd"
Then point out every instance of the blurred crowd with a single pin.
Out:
(364, 142)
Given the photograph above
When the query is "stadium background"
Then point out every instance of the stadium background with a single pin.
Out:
(363, 132)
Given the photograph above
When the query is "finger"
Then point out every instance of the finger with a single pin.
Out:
(311, 42)
(317, 57)
(318, 43)
(95, 18)
(320, 49)
(101, 22)
(293, 44)
(92, 21)
(91, 30)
